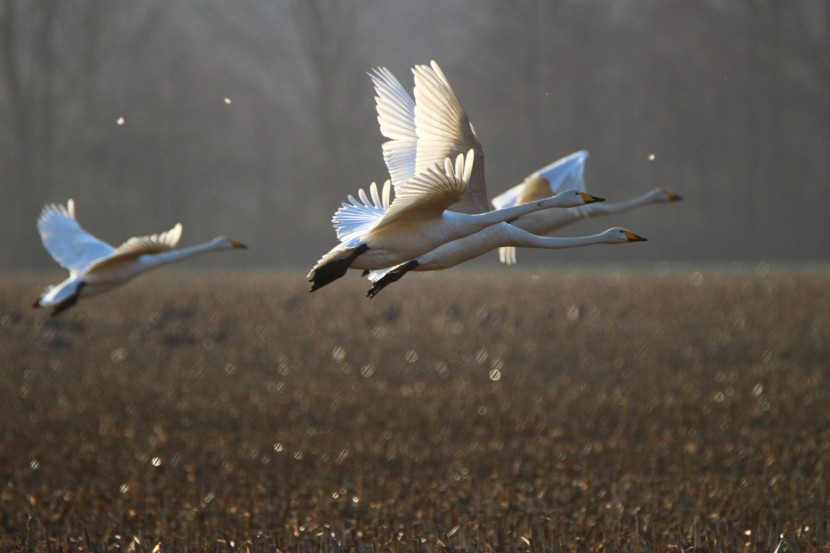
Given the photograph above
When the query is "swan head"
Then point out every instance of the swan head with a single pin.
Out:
(661, 195)
(225, 243)
(574, 198)
(619, 235)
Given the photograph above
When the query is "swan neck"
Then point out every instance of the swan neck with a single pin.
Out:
(172, 256)
(607, 208)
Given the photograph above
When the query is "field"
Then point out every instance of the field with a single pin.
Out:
(498, 410)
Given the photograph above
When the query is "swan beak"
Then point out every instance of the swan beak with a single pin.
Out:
(634, 237)
(238, 245)
(673, 197)
(589, 199)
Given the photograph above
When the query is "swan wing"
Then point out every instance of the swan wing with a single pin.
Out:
(444, 130)
(70, 246)
(138, 246)
(396, 116)
(430, 193)
(360, 215)
(562, 175)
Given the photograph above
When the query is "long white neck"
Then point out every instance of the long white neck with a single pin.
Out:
(608, 208)
(522, 239)
(152, 261)
(510, 213)
(499, 235)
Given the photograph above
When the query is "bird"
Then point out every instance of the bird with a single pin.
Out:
(564, 174)
(376, 233)
(494, 236)
(96, 267)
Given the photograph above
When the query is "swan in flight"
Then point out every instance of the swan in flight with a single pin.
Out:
(503, 234)
(94, 266)
(376, 233)
(436, 167)
(567, 173)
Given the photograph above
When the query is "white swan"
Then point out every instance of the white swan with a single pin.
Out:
(503, 234)
(376, 234)
(567, 173)
(94, 266)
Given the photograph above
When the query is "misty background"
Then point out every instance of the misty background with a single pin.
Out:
(256, 118)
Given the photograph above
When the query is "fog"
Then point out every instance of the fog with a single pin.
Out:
(255, 119)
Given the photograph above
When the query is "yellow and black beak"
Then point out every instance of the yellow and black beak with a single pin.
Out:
(634, 237)
(674, 197)
(238, 245)
(589, 199)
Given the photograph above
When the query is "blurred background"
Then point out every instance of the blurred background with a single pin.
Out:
(255, 118)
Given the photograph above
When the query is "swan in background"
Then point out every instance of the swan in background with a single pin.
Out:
(95, 267)
(376, 234)
(503, 234)
(567, 173)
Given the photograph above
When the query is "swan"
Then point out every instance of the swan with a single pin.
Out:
(376, 234)
(500, 235)
(564, 174)
(94, 266)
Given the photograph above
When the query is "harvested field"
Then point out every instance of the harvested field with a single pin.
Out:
(500, 410)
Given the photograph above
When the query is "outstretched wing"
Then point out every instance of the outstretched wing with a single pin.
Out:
(562, 175)
(68, 244)
(431, 192)
(140, 245)
(444, 130)
(396, 115)
(356, 218)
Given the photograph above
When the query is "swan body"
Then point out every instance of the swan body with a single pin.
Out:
(376, 234)
(567, 173)
(96, 267)
(494, 236)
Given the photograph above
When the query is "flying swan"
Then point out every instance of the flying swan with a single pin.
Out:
(95, 267)
(567, 173)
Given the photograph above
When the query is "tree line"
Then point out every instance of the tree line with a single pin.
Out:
(255, 118)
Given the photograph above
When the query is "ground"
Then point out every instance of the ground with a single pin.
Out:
(475, 410)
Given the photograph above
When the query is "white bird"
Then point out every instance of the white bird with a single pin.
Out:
(436, 201)
(503, 234)
(567, 173)
(376, 234)
(95, 267)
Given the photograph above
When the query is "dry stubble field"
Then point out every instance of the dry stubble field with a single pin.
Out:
(472, 411)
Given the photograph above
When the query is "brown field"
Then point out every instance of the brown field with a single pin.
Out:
(497, 411)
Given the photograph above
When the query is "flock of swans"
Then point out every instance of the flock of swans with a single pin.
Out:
(439, 217)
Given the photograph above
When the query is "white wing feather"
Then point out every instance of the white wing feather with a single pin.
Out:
(154, 243)
(444, 130)
(396, 115)
(70, 246)
(358, 217)
(432, 191)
